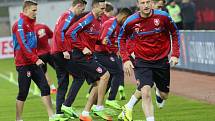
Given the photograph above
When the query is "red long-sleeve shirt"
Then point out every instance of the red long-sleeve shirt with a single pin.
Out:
(43, 33)
(151, 36)
(85, 32)
(110, 31)
(24, 41)
(59, 43)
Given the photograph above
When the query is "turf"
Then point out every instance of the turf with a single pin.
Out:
(176, 109)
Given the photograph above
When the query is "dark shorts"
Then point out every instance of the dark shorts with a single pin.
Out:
(89, 66)
(63, 65)
(25, 74)
(47, 58)
(110, 61)
(150, 72)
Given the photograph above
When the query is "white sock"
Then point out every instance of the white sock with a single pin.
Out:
(131, 102)
(151, 118)
(99, 107)
(19, 120)
(52, 86)
(85, 113)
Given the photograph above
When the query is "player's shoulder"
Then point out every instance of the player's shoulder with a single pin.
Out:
(132, 18)
(160, 13)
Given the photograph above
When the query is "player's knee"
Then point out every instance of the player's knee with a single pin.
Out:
(105, 76)
(22, 95)
(146, 92)
(164, 95)
(45, 90)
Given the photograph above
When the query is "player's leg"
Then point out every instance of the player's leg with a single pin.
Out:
(162, 81)
(91, 100)
(121, 88)
(73, 91)
(63, 80)
(39, 78)
(47, 59)
(145, 76)
(117, 77)
(24, 81)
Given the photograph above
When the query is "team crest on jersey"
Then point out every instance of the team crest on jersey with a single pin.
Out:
(28, 73)
(157, 22)
(112, 59)
(99, 70)
(41, 33)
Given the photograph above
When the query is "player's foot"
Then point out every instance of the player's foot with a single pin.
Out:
(93, 108)
(126, 114)
(69, 111)
(120, 117)
(159, 101)
(121, 92)
(53, 91)
(58, 117)
(85, 118)
(160, 105)
(113, 104)
(103, 114)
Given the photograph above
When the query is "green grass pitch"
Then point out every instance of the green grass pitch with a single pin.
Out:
(176, 109)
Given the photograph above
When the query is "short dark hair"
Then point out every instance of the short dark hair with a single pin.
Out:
(75, 2)
(125, 11)
(97, 1)
(27, 3)
(109, 7)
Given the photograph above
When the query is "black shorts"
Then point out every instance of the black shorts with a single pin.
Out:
(89, 66)
(110, 61)
(34, 72)
(47, 58)
(150, 72)
(63, 65)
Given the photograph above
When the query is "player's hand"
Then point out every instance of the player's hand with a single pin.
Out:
(39, 62)
(128, 66)
(104, 41)
(173, 61)
(86, 51)
(66, 55)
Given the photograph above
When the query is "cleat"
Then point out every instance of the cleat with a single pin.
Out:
(120, 117)
(58, 117)
(69, 111)
(121, 92)
(93, 108)
(85, 118)
(103, 115)
(159, 101)
(113, 104)
(126, 114)
(160, 105)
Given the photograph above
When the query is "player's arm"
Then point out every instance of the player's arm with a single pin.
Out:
(49, 32)
(175, 40)
(72, 33)
(107, 30)
(64, 25)
(128, 66)
(22, 41)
